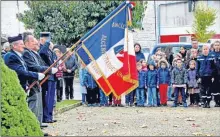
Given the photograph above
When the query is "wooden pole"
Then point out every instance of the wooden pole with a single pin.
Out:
(46, 71)
(44, 80)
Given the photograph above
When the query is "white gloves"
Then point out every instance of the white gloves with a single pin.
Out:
(40, 76)
(69, 71)
(54, 70)
(199, 80)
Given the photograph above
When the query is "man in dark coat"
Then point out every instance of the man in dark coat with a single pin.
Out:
(49, 87)
(32, 59)
(15, 61)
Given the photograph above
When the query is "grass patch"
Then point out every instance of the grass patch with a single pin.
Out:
(65, 103)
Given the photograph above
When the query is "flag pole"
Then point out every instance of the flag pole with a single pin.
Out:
(44, 80)
(48, 69)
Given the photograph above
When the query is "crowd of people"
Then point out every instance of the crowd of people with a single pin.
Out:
(192, 74)
(30, 59)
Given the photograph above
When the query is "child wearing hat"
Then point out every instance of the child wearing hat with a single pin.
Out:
(163, 80)
(151, 84)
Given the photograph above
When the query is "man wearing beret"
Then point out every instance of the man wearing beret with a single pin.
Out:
(33, 61)
(48, 87)
(15, 61)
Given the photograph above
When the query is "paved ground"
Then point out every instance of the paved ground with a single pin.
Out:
(161, 121)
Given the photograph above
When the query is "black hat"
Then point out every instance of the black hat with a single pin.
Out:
(44, 34)
(15, 38)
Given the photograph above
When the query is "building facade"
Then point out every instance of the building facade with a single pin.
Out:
(175, 21)
(9, 23)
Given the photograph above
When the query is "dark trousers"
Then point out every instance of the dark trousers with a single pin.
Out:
(69, 87)
(206, 84)
(97, 96)
(59, 87)
(92, 95)
(216, 89)
(44, 91)
(178, 90)
(194, 98)
(129, 98)
(34, 101)
(110, 99)
(49, 101)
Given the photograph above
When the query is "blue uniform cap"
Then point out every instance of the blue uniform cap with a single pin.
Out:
(15, 38)
(44, 34)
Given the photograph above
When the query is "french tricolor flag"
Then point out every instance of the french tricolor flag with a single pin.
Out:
(108, 53)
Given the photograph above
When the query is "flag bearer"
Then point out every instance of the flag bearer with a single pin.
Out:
(49, 87)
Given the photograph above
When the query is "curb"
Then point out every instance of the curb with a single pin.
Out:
(67, 108)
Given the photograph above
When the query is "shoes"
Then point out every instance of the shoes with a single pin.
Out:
(205, 105)
(174, 105)
(208, 105)
(53, 121)
(43, 126)
(217, 105)
(46, 134)
(185, 105)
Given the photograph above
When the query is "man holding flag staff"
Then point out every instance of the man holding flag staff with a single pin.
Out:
(48, 87)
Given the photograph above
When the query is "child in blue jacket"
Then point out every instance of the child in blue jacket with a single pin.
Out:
(163, 81)
(91, 87)
(151, 84)
(141, 86)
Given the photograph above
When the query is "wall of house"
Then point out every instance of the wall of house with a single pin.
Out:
(9, 23)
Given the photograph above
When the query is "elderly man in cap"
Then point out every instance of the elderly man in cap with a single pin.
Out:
(48, 87)
(15, 61)
(33, 61)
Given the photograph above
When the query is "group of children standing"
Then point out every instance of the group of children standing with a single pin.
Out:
(157, 78)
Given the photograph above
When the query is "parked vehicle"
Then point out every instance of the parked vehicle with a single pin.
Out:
(146, 52)
(174, 48)
(212, 40)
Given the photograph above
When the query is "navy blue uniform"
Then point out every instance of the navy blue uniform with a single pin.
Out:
(16, 63)
(216, 84)
(48, 87)
(206, 71)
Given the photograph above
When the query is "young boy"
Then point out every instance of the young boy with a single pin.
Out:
(82, 72)
(141, 86)
(91, 87)
(144, 68)
(151, 84)
(179, 81)
(163, 80)
(206, 72)
(103, 98)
